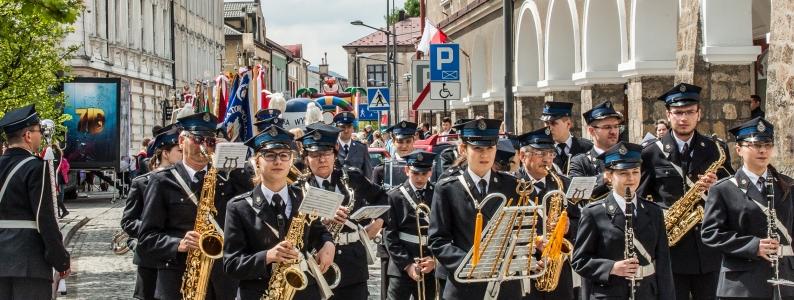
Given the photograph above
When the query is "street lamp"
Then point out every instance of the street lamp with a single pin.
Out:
(390, 59)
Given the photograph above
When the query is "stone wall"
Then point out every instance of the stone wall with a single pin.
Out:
(593, 95)
(478, 111)
(456, 114)
(780, 88)
(576, 114)
(528, 111)
(496, 110)
(643, 107)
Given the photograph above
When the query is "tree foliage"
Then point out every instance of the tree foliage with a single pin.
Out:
(411, 9)
(31, 55)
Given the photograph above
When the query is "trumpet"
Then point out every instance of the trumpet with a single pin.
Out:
(422, 212)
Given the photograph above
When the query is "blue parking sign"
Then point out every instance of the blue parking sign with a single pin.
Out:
(444, 62)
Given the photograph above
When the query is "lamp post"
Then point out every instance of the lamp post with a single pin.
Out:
(389, 62)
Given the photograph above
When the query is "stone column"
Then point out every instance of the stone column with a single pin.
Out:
(528, 111)
(780, 87)
(496, 110)
(573, 97)
(726, 88)
(643, 107)
(593, 95)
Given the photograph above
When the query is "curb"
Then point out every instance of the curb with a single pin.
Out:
(69, 229)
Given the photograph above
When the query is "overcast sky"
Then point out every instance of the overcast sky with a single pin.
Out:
(323, 26)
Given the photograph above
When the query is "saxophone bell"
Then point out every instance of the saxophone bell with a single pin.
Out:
(211, 244)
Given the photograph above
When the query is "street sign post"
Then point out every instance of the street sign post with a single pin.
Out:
(444, 62)
(378, 99)
(445, 90)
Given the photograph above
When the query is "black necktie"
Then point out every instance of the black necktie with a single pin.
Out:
(281, 217)
(685, 158)
(328, 186)
(761, 184)
(345, 150)
(420, 195)
(483, 185)
(561, 149)
(540, 185)
(198, 179)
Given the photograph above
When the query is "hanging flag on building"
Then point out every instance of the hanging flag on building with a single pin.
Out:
(431, 35)
(237, 122)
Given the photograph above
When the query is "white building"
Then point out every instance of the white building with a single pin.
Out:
(137, 40)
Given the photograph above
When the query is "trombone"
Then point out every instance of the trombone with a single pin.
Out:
(422, 212)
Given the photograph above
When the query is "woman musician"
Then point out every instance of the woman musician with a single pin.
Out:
(621, 246)
(737, 221)
(257, 222)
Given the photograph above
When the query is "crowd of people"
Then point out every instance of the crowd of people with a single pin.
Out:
(668, 217)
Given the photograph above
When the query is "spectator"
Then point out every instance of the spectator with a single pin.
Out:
(662, 127)
(368, 130)
(377, 142)
(140, 159)
(755, 107)
(425, 131)
(61, 178)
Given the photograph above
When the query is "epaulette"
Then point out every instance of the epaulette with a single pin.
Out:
(242, 196)
(595, 203)
(446, 180)
(353, 170)
(721, 180)
(144, 176)
(649, 142)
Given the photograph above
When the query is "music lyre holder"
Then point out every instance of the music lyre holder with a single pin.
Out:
(781, 282)
(506, 248)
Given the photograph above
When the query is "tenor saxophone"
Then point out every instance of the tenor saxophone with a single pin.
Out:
(199, 261)
(558, 248)
(686, 212)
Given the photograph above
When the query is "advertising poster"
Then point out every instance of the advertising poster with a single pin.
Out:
(93, 133)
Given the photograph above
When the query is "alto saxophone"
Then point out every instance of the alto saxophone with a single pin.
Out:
(199, 261)
(287, 277)
(558, 248)
(686, 212)
(333, 227)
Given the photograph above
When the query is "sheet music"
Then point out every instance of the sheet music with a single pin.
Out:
(321, 202)
(369, 212)
(581, 188)
(230, 155)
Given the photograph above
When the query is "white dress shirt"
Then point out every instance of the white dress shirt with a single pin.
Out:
(476, 179)
(284, 195)
(754, 178)
(622, 202)
(320, 182)
(192, 173)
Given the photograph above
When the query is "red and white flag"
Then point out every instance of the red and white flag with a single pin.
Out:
(431, 35)
(221, 94)
(260, 90)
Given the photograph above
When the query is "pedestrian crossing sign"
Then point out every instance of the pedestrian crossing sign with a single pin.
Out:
(378, 98)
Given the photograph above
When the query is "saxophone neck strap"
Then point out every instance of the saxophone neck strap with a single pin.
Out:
(192, 197)
(411, 201)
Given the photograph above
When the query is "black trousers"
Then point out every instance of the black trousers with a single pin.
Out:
(699, 286)
(20, 288)
(404, 287)
(145, 283)
(356, 291)
(220, 287)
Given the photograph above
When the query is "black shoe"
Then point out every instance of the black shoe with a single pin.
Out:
(65, 213)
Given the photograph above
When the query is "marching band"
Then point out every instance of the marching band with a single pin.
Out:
(668, 219)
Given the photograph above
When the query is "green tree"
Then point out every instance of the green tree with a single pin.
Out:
(31, 55)
(411, 8)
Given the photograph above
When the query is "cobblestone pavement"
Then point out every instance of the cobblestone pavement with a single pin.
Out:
(98, 273)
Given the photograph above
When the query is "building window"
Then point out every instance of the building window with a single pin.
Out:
(376, 75)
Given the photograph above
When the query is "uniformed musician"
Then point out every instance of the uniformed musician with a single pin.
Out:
(450, 159)
(736, 219)
(453, 212)
(169, 213)
(537, 156)
(31, 244)
(684, 150)
(506, 159)
(352, 254)
(352, 153)
(599, 254)
(257, 222)
(405, 264)
(391, 173)
(557, 117)
(604, 124)
(166, 152)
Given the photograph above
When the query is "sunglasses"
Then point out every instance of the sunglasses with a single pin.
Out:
(208, 141)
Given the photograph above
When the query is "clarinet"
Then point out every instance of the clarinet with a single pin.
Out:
(630, 250)
(771, 216)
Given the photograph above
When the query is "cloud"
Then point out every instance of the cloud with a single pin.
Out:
(322, 26)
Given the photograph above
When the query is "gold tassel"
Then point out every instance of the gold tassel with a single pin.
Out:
(477, 237)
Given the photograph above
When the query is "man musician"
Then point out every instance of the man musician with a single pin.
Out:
(407, 230)
(391, 173)
(257, 223)
(352, 245)
(670, 167)
(169, 214)
(557, 117)
(31, 244)
(737, 220)
(605, 125)
(351, 153)
(602, 254)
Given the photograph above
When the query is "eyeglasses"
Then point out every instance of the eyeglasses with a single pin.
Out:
(619, 128)
(684, 113)
(543, 153)
(209, 141)
(417, 173)
(282, 156)
(321, 154)
(758, 146)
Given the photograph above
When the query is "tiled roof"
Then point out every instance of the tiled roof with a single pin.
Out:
(407, 32)
(235, 9)
(230, 31)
